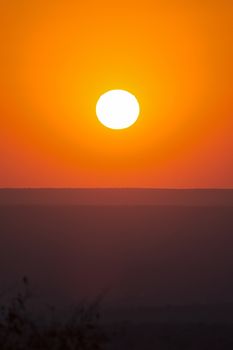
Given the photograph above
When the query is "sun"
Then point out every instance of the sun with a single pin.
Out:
(117, 109)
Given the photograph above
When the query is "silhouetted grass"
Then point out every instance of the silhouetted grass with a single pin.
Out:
(21, 330)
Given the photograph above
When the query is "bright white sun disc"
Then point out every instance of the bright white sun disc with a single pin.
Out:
(117, 109)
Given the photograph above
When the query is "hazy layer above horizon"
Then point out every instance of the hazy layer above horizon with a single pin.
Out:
(111, 196)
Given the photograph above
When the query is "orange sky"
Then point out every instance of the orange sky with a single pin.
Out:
(58, 57)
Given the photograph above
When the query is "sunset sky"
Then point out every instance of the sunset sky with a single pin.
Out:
(58, 57)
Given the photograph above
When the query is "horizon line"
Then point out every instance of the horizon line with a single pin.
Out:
(122, 188)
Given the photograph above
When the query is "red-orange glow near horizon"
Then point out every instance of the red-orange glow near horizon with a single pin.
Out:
(59, 57)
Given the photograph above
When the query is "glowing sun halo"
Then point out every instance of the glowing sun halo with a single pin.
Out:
(117, 109)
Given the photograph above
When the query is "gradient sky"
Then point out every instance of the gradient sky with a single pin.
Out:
(58, 57)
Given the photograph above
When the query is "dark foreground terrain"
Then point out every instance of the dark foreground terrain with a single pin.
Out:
(175, 336)
(165, 271)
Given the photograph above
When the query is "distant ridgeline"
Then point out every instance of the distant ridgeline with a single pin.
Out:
(117, 196)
